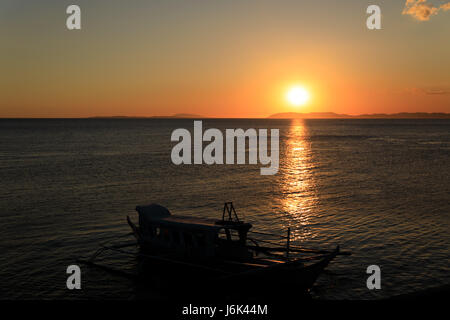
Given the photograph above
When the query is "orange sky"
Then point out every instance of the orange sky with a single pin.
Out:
(223, 59)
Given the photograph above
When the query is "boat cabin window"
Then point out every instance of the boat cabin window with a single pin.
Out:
(188, 239)
(234, 235)
(176, 237)
(228, 234)
(151, 231)
(222, 234)
(201, 239)
(165, 234)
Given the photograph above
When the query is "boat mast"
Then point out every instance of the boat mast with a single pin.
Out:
(229, 208)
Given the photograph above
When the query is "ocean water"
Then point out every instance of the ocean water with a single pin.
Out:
(378, 188)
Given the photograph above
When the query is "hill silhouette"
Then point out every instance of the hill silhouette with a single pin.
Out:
(332, 115)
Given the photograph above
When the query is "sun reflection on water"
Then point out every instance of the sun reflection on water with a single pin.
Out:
(297, 186)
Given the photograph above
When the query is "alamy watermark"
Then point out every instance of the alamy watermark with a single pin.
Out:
(235, 140)
(74, 280)
(373, 22)
(73, 21)
(374, 280)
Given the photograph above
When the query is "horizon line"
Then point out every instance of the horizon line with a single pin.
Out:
(280, 115)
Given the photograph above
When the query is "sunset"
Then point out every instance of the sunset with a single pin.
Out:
(161, 62)
(297, 96)
(235, 159)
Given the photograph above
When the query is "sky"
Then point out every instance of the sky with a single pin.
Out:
(222, 58)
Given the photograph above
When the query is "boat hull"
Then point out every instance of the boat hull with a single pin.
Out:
(246, 275)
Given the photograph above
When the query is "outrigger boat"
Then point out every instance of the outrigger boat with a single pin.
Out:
(220, 249)
(203, 250)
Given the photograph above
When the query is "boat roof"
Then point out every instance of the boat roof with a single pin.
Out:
(189, 223)
(155, 213)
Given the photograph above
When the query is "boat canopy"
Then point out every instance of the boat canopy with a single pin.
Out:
(153, 211)
(159, 215)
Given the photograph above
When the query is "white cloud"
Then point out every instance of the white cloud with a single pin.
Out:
(422, 10)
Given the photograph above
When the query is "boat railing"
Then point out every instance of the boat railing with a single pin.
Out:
(268, 234)
(282, 243)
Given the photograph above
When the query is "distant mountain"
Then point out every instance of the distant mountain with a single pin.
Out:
(182, 116)
(311, 115)
(332, 115)
(177, 116)
(405, 115)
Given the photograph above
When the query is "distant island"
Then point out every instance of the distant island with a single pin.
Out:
(298, 115)
(332, 115)
(182, 116)
(175, 116)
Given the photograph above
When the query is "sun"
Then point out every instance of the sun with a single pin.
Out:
(297, 96)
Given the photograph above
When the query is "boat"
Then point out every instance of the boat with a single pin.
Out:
(221, 250)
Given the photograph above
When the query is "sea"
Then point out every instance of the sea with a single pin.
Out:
(378, 188)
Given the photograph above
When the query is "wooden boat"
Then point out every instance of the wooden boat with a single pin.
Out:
(205, 249)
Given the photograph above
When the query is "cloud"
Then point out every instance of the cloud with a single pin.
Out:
(428, 91)
(445, 6)
(437, 91)
(422, 10)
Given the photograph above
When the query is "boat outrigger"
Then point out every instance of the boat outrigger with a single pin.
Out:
(223, 251)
